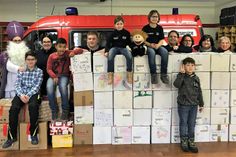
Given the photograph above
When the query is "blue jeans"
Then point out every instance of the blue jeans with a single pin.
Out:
(51, 91)
(118, 50)
(152, 59)
(187, 120)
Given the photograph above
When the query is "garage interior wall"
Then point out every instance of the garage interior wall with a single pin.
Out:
(30, 11)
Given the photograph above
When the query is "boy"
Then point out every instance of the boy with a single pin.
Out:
(189, 98)
(154, 42)
(27, 88)
(58, 69)
(116, 44)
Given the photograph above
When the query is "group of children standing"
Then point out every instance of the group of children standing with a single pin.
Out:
(190, 94)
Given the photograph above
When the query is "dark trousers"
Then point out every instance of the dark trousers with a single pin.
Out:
(187, 120)
(14, 112)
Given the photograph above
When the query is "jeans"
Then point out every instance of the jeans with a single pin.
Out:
(118, 50)
(51, 91)
(14, 111)
(187, 120)
(152, 59)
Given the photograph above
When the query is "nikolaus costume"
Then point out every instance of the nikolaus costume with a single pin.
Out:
(16, 56)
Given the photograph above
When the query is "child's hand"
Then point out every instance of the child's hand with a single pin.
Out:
(182, 69)
(72, 54)
(55, 80)
(201, 109)
(106, 54)
(175, 47)
(21, 69)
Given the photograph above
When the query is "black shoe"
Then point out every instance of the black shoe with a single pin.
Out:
(192, 146)
(165, 78)
(65, 115)
(34, 140)
(8, 143)
(184, 144)
(154, 79)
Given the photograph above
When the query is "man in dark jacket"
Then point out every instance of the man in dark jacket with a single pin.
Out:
(189, 98)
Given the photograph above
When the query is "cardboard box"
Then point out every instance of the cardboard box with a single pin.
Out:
(173, 78)
(204, 79)
(219, 82)
(174, 99)
(232, 133)
(162, 99)
(101, 135)
(83, 82)
(202, 133)
(206, 97)
(220, 98)
(99, 63)
(175, 137)
(158, 64)
(141, 64)
(232, 62)
(120, 63)
(5, 105)
(123, 117)
(142, 81)
(103, 100)
(120, 82)
(141, 135)
(101, 83)
(45, 113)
(103, 117)
(3, 138)
(142, 117)
(161, 117)
(81, 63)
(83, 115)
(175, 116)
(61, 127)
(160, 85)
(232, 80)
(62, 141)
(25, 138)
(219, 133)
(177, 61)
(219, 116)
(233, 98)
(84, 98)
(204, 117)
(123, 99)
(83, 134)
(233, 115)
(161, 134)
(202, 61)
(221, 58)
(142, 99)
(121, 135)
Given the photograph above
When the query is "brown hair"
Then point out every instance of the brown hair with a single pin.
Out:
(92, 33)
(119, 18)
(142, 33)
(153, 12)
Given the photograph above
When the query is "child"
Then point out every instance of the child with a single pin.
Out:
(154, 42)
(58, 70)
(116, 44)
(27, 88)
(189, 98)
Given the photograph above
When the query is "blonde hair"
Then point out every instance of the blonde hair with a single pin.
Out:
(224, 38)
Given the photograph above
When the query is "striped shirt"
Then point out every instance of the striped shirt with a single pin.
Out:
(29, 82)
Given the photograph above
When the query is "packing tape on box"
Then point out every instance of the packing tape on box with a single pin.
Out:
(219, 129)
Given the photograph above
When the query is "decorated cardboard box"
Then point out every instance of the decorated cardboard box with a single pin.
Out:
(142, 117)
(101, 135)
(161, 134)
(141, 135)
(121, 135)
(123, 99)
(142, 99)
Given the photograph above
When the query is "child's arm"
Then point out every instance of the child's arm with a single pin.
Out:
(74, 52)
(49, 67)
(180, 77)
(200, 97)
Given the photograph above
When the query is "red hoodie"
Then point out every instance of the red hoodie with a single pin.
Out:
(58, 65)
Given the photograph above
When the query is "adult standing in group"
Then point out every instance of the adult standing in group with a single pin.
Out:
(42, 58)
(154, 42)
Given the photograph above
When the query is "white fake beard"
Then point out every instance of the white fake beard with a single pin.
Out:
(16, 52)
